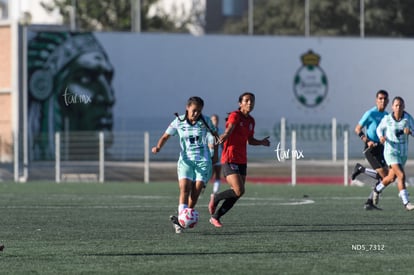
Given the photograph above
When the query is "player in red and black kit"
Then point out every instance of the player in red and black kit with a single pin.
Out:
(239, 131)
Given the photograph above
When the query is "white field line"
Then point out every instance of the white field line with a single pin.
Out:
(244, 201)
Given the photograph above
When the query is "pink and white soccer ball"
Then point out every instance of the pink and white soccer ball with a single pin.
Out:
(188, 217)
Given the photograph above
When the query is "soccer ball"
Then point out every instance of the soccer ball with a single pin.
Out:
(188, 217)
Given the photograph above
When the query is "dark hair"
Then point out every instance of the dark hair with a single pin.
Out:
(399, 98)
(382, 92)
(196, 100)
(244, 94)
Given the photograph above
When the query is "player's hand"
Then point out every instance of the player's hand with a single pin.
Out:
(383, 139)
(407, 131)
(371, 144)
(155, 149)
(266, 141)
(222, 138)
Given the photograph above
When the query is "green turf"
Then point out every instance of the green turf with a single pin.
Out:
(123, 228)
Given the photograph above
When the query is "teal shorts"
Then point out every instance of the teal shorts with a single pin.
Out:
(395, 159)
(194, 170)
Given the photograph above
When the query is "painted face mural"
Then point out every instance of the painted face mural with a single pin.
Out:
(69, 80)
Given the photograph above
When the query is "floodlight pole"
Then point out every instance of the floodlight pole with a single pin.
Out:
(307, 18)
(72, 15)
(251, 21)
(135, 15)
(362, 17)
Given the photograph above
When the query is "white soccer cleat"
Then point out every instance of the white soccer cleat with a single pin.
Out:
(409, 207)
(176, 225)
(177, 228)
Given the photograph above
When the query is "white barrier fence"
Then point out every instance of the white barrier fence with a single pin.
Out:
(292, 154)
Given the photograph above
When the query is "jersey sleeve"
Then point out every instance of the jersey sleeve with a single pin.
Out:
(233, 118)
(172, 128)
(253, 127)
(381, 127)
(210, 137)
(410, 123)
(364, 119)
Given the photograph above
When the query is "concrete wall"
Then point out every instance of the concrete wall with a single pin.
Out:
(5, 93)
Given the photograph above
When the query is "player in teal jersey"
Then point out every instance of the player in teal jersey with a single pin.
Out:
(373, 149)
(393, 132)
(194, 166)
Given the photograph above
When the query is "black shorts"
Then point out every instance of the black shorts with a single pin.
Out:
(375, 156)
(234, 168)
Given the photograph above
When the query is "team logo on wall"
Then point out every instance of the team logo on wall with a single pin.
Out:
(310, 84)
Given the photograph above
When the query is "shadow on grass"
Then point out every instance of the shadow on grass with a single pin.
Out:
(192, 253)
(319, 228)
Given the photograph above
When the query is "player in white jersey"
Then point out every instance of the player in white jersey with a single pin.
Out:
(393, 132)
(194, 166)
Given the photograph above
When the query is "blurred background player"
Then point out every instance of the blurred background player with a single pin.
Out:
(217, 157)
(373, 149)
(238, 133)
(194, 164)
(393, 131)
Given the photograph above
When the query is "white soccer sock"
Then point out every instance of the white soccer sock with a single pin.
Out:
(404, 196)
(181, 207)
(216, 186)
(380, 186)
(371, 172)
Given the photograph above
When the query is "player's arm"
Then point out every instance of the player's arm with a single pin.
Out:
(380, 131)
(163, 139)
(213, 147)
(227, 132)
(254, 141)
(359, 130)
(410, 129)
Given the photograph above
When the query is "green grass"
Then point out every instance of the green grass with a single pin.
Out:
(124, 228)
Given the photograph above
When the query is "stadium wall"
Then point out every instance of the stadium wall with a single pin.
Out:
(5, 93)
(145, 78)
(308, 80)
(155, 74)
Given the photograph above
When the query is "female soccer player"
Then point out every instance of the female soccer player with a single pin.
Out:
(216, 162)
(239, 131)
(194, 164)
(393, 132)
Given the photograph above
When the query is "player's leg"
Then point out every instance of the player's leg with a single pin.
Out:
(403, 194)
(215, 198)
(217, 175)
(202, 174)
(196, 189)
(373, 198)
(375, 158)
(235, 177)
(186, 175)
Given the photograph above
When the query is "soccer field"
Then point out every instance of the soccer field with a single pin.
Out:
(124, 228)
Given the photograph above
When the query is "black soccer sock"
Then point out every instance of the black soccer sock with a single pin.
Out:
(225, 207)
(226, 194)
